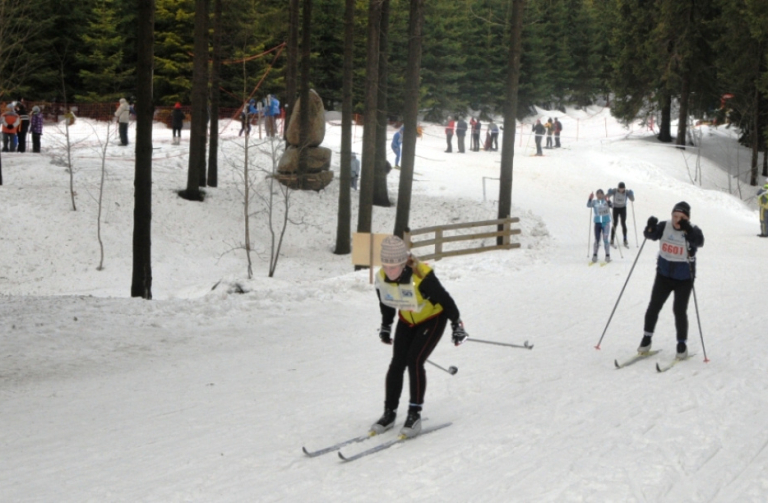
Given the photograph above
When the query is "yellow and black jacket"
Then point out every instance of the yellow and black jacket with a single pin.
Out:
(417, 294)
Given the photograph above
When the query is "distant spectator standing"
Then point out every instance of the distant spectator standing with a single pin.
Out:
(538, 131)
(558, 129)
(461, 132)
(177, 123)
(271, 112)
(549, 126)
(10, 126)
(248, 111)
(397, 143)
(476, 127)
(354, 170)
(122, 116)
(449, 133)
(493, 128)
(36, 125)
(21, 109)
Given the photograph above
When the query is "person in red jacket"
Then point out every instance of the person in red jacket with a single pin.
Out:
(449, 133)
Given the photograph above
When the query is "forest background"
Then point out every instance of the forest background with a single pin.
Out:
(643, 56)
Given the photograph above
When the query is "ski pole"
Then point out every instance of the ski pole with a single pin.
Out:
(695, 302)
(589, 233)
(525, 345)
(618, 245)
(451, 370)
(634, 222)
(622, 293)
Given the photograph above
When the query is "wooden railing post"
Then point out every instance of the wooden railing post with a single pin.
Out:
(506, 236)
(438, 244)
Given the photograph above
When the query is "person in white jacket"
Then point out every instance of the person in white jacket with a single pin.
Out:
(122, 116)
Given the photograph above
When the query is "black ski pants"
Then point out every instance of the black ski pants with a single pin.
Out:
(619, 214)
(460, 141)
(411, 348)
(662, 288)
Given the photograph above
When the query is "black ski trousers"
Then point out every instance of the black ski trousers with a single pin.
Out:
(619, 214)
(411, 348)
(662, 288)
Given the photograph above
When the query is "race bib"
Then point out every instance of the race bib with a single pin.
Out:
(672, 246)
(402, 297)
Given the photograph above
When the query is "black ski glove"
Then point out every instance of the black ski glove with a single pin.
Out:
(385, 334)
(652, 224)
(685, 225)
(459, 335)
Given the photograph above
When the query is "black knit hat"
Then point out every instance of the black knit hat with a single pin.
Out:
(683, 208)
(621, 185)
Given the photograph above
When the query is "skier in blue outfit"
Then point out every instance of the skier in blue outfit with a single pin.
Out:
(620, 197)
(675, 272)
(397, 143)
(602, 219)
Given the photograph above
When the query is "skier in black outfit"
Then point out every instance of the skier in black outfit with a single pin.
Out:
(620, 197)
(411, 288)
(675, 272)
(461, 132)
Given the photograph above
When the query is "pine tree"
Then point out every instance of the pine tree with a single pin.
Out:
(103, 72)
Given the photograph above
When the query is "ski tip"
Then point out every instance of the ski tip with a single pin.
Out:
(341, 456)
(658, 367)
(616, 362)
(305, 451)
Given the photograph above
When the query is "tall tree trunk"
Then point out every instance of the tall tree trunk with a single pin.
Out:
(141, 281)
(213, 153)
(292, 65)
(380, 194)
(197, 136)
(365, 211)
(410, 116)
(510, 110)
(306, 27)
(344, 223)
(665, 127)
(682, 118)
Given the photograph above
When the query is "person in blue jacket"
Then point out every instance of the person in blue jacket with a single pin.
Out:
(675, 272)
(602, 219)
(271, 112)
(397, 143)
(620, 197)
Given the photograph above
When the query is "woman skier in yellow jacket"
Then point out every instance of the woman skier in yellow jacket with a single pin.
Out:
(411, 288)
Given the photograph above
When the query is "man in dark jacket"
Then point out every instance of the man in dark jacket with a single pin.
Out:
(675, 272)
(461, 132)
(21, 109)
(538, 131)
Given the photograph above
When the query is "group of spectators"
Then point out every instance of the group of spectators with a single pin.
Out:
(550, 128)
(269, 108)
(475, 127)
(16, 125)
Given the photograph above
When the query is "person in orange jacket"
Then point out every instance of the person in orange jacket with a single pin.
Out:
(10, 127)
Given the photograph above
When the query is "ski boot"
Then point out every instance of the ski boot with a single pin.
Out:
(412, 426)
(682, 350)
(645, 345)
(386, 422)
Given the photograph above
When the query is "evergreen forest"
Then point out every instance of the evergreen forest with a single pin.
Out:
(704, 58)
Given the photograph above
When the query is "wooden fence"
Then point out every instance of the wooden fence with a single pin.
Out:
(503, 229)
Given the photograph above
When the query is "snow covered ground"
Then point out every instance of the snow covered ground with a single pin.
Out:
(207, 395)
